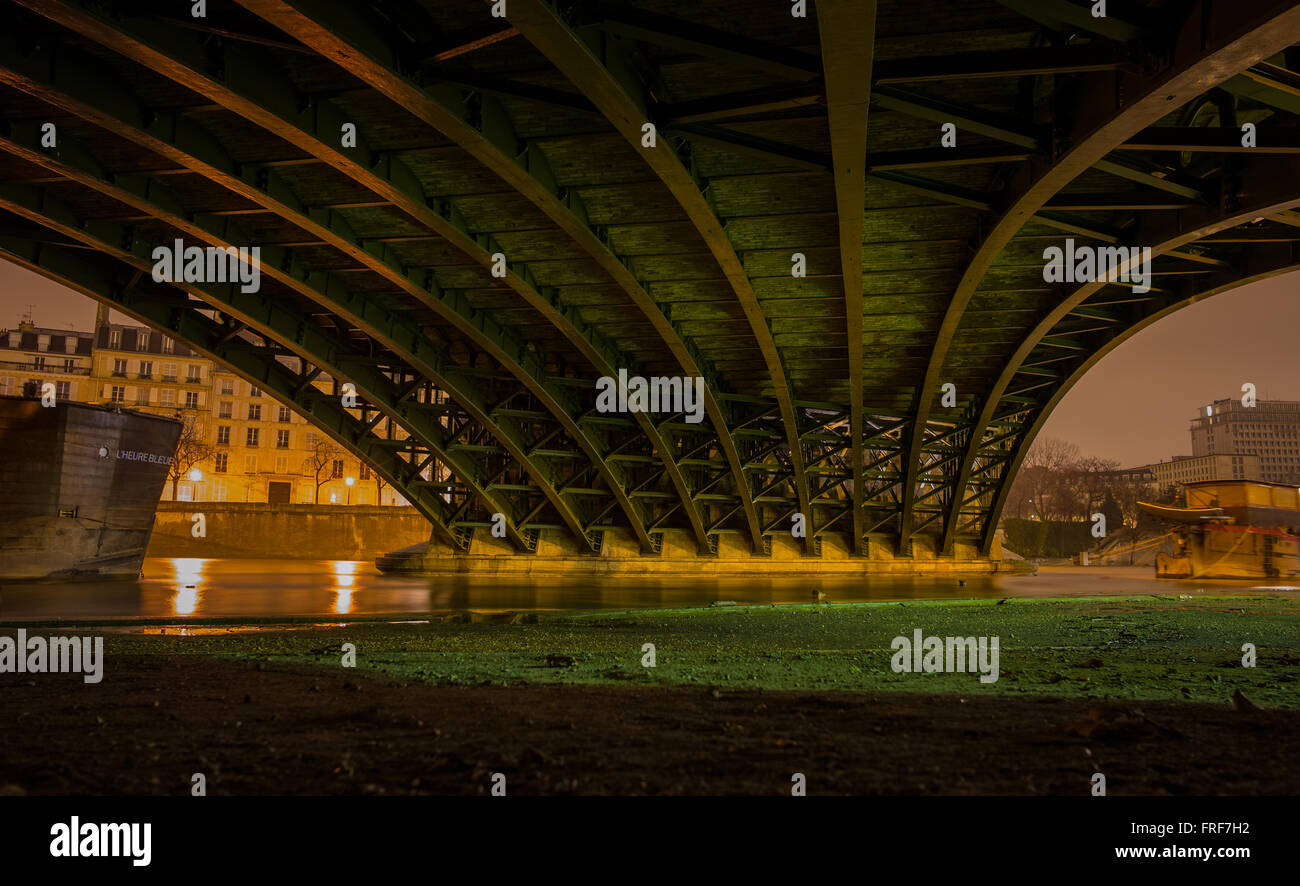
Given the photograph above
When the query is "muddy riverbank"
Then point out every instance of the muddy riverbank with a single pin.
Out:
(739, 699)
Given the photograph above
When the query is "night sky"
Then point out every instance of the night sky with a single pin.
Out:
(1134, 406)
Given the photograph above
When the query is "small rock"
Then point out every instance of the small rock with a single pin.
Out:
(1243, 705)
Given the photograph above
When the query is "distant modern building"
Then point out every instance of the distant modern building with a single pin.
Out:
(1269, 430)
(1170, 476)
(255, 449)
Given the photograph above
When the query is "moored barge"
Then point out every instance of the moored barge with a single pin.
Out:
(1232, 529)
(79, 487)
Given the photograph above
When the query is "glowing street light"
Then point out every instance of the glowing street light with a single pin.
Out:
(349, 483)
(196, 475)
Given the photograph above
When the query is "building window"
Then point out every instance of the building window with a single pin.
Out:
(250, 464)
(168, 346)
(169, 372)
(281, 439)
(142, 340)
(70, 344)
(195, 375)
(337, 472)
(38, 363)
(7, 386)
(228, 386)
(223, 435)
(142, 396)
(146, 369)
(219, 461)
(254, 411)
(63, 390)
(119, 394)
(119, 368)
(223, 410)
(166, 397)
(250, 438)
(69, 365)
(311, 441)
(281, 464)
(254, 391)
(114, 339)
(191, 399)
(364, 471)
(284, 414)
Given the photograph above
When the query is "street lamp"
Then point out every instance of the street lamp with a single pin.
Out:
(196, 475)
(349, 482)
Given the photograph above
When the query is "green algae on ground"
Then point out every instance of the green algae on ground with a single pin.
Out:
(1103, 648)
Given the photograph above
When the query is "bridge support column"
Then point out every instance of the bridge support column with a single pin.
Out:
(620, 555)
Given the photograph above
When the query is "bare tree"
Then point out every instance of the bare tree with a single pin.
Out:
(321, 462)
(191, 449)
(1044, 482)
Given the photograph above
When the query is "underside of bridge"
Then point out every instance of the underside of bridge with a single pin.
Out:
(833, 212)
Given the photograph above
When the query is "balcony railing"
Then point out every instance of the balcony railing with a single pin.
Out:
(25, 366)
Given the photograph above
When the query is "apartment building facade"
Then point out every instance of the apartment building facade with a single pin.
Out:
(245, 446)
(30, 356)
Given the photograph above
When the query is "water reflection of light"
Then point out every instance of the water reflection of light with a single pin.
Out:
(345, 575)
(189, 577)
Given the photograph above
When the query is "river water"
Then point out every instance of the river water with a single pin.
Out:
(185, 589)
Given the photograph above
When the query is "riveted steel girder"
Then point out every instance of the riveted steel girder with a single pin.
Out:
(610, 84)
(71, 82)
(150, 195)
(270, 317)
(349, 37)
(1265, 185)
(251, 90)
(847, 29)
(166, 309)
(1117, 107)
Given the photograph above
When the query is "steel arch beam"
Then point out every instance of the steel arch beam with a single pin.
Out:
(149, 195)
(623, 102)
(265, 316)
(1208, 49)
(847, 29)
(272, 104)
(350, 39)
(1266, 178)
(1255, 272)
(72, 84)
(162, 308)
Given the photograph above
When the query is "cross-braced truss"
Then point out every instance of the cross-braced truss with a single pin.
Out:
(836, 221)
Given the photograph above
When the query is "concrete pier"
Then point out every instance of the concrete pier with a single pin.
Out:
(619, 555)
